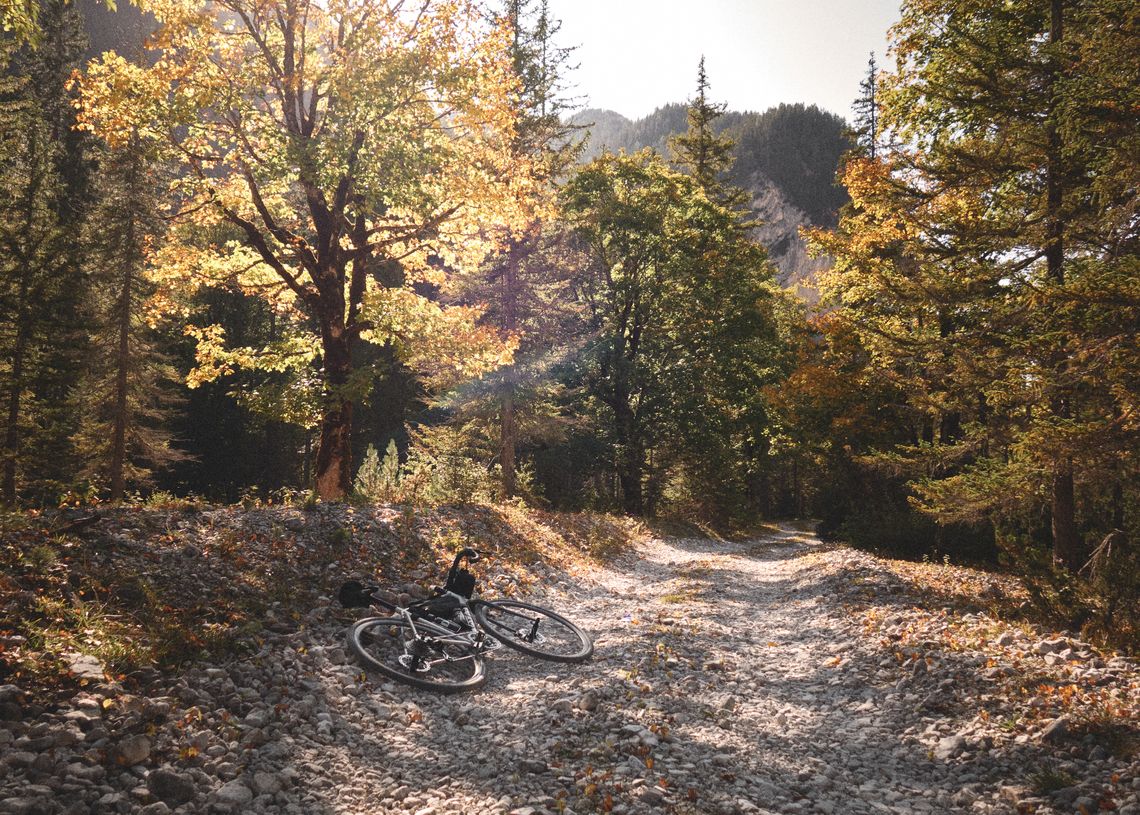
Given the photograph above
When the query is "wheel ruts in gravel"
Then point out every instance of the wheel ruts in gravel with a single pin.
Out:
(534, 630)
(388, 645)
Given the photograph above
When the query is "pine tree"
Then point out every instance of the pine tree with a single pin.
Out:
(524, 287)
(128, 394)
(703, 154)
(42, 197)
(866, 107)
(990, 263)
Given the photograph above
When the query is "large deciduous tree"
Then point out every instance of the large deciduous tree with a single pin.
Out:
(681, 328)
(360, 148)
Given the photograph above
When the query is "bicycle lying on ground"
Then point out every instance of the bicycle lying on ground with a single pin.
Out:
(439, 643)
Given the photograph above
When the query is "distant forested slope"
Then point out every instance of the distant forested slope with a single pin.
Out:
(786, 157)
(123, 28)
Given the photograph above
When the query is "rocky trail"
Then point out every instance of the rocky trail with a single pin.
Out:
(777, 675)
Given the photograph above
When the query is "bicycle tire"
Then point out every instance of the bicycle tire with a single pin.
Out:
(534, 630)
(387, 645)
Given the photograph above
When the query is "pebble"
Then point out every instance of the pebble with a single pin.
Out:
(170, 787)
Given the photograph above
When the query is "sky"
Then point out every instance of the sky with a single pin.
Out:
(636, 55)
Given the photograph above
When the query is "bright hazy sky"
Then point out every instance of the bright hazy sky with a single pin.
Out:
(636, 55)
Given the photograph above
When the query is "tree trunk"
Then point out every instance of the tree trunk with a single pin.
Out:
(629, 461)
(1067, 548)
(119, 426)
(12, 436)
(333, 471)
(508, 435)
(122, 362)
(1066, 540)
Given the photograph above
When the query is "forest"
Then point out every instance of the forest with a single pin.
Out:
(288, 252)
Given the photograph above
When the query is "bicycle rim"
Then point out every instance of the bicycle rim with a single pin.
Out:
(534, 630)
(437, 660)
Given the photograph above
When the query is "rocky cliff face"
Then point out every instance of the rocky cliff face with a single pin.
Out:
(779, 232)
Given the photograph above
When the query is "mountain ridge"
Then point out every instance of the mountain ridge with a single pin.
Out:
(786, 158)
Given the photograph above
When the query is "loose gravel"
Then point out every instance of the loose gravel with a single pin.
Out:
(776, 675)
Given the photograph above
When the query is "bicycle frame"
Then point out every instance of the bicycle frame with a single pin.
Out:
(470, 634)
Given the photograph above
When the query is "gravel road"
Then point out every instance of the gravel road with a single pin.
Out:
(777, 675)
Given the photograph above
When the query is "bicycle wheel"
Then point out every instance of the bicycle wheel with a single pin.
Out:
(438, 659)
(534, 630)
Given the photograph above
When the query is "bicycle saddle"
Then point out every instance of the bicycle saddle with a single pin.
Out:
(354, 594)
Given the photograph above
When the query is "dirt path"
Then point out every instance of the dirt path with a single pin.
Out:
(734, 678)
(777, 675)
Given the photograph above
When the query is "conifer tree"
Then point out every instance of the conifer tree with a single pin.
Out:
(702, 153)
(523, 285)
(42, 198)
(866, 109)
(129, 391)
(989, 263)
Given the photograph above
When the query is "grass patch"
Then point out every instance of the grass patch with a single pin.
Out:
(1048, 780)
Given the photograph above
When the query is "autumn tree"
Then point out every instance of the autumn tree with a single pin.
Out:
(359, 148)
(989, 260)
(525, 282)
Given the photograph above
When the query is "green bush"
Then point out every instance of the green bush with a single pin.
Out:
(378, 480)
(445, 465)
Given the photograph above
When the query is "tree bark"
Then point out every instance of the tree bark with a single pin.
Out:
(629, 464)
(122, 362)
(1067, 548)
(333, 469)
(12, 434)
(119, 425)
(508, 425)
(508, 435)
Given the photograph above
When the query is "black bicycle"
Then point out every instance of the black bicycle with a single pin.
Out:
(439, 643)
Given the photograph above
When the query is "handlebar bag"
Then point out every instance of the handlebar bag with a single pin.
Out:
(461, 582)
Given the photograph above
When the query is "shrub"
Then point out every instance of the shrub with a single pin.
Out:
(378, 480)
(445, 465)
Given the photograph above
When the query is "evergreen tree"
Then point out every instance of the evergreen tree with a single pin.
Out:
(866, 107)
(129, 390)
(523, 285)
(990, 264)
(43, 180)
(704, 154)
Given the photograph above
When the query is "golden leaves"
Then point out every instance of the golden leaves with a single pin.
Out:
(445, 343)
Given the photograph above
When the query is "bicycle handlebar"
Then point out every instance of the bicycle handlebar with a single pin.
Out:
(465, 552)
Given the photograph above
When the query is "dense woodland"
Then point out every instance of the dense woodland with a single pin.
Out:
(290, 251)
